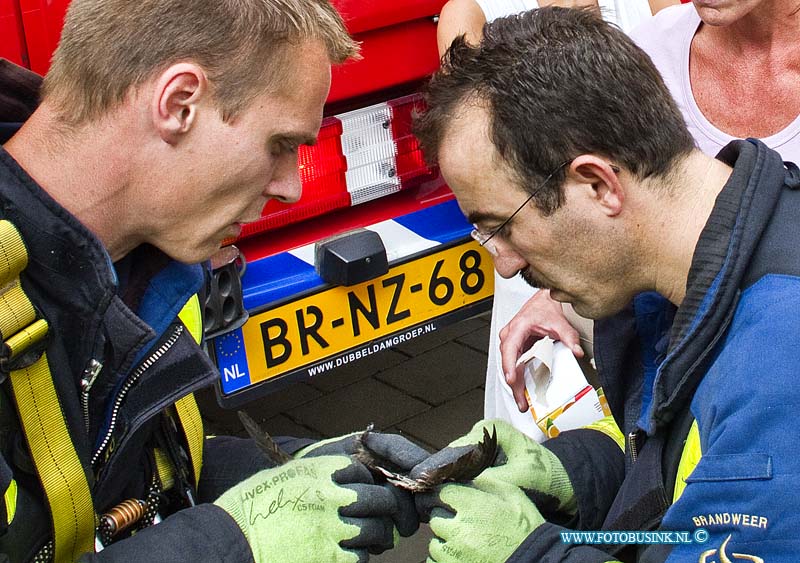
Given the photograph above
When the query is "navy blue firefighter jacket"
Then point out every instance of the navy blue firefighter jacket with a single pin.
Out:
(730, 364)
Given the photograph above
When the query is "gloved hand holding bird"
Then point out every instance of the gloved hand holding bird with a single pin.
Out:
(361, 491)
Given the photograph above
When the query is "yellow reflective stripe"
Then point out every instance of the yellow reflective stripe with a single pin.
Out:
(164, 468)
(56, 461)
(192, 424)
(690, 457)
(10, 499)
(609, 427)
(13, 255)
(192, 316)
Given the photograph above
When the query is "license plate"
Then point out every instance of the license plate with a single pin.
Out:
(320, 332)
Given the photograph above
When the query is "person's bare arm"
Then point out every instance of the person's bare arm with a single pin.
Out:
(465, 17)
(569, 3)
(540, 316)
(459, 17)
(656, 5)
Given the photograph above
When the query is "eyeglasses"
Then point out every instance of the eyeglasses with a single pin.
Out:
(484, 239)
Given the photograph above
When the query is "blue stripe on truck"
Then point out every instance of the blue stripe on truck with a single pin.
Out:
(283, 275)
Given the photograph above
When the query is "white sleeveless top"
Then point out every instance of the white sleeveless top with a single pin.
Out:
(624, 13)
(667, 38)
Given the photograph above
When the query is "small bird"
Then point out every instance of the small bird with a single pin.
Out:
(465, 468)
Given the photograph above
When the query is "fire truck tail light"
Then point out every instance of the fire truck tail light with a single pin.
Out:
(370, 151)
(359, 156)
(411, 167)
(325, 157)
(364, 128)
(403, 110)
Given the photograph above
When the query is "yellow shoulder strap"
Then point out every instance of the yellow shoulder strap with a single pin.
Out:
(53, 453)
(188, 412)
(192, 424)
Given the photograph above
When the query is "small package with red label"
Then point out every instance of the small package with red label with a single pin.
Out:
(558, 393)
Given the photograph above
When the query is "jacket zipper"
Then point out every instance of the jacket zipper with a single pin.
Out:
(633, 445)
(89, 377)
(143, 367)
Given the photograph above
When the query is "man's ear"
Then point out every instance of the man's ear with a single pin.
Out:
(177, 93)
(603, 177)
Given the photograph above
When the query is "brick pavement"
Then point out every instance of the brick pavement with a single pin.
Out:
(429, 389)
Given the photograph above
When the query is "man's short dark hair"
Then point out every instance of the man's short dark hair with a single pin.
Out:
(558, 83)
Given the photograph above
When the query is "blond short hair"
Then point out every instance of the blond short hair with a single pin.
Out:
(108, 47)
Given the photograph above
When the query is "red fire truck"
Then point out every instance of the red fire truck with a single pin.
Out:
(376, 252)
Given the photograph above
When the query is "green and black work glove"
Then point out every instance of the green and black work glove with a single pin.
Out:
(521, 461)
(393, 451)
(323, 508)
(485, 520)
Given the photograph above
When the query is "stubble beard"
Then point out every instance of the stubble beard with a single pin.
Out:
(532, 280)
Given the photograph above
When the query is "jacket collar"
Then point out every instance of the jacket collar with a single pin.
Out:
(724, 250)
(56, 241)
(70, 267)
